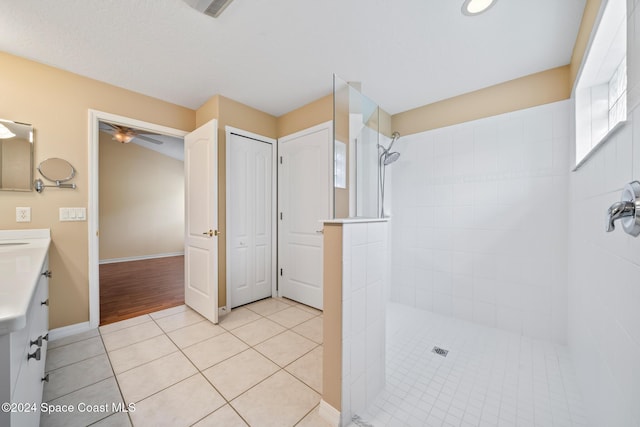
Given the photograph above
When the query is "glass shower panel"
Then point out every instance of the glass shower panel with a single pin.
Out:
(359, 125)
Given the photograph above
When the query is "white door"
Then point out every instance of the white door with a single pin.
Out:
(249, 218)
(201, 220)
(304, 191)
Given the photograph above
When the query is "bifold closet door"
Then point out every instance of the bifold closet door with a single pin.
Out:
(250, 219)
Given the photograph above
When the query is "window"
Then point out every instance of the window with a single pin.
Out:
(601, 91)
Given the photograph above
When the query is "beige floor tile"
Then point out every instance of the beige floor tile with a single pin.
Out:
(280, 400)
(120, 419)
(237, 318)
(313, 419)
(285, 348)
(290, 317)
(192, 334)
(179, 405)
(236, 375)
(311, 329)
(76, 376)
(307, 308)
(258, 331)
(73, 338)
(308, 369)
(141, 382)
(112, 327)
(72, 353)
(168, 311)
(223, 417)
(267, 306)
(138, 354)
(179, 320)
(103, 393)
(127, 336)
(214, 350)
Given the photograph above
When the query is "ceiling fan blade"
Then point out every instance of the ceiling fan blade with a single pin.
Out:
(146, 138)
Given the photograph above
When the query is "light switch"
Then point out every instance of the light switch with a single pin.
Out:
(73, 214)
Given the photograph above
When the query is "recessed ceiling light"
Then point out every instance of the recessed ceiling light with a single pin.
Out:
(476, 7)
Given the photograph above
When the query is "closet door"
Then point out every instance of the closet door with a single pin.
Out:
(250, 219)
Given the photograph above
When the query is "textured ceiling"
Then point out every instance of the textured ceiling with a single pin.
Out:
(280, 54)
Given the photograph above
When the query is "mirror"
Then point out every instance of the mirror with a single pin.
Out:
(57, 171)
(16, 156)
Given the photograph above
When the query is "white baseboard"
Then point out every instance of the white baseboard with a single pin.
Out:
(329, 413)
(139, 258)
(67, 331)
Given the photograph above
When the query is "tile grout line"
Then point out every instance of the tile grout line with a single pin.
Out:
(200, 372)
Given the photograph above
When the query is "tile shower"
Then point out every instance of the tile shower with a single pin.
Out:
(479, 221)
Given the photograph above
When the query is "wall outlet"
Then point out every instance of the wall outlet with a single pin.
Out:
(23, 214)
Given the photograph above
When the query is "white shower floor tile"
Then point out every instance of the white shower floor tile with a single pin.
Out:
(489, 377)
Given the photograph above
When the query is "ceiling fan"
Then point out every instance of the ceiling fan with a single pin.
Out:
(125, 134)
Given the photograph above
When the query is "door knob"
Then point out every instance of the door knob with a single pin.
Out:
(212, 233)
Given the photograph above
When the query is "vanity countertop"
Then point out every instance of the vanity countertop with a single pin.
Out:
(22, 254)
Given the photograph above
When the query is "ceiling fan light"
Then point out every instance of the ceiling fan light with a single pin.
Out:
(123, 137)
(5, 133)
(476, 7)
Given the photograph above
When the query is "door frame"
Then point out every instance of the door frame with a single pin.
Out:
(93, 215)
(274, 206)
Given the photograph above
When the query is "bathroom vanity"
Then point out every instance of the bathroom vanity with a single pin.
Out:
(24, 323)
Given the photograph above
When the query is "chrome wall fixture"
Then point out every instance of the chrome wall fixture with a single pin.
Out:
(58, 171)
(627, 210)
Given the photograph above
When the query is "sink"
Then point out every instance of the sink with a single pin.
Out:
(4, 245)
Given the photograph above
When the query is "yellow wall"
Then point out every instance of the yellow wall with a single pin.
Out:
(240, 116)
(141, 201)
(56, 102)
(530, 91)
(332, 323)
(314, 113)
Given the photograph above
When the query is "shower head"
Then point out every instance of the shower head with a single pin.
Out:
(390, 158)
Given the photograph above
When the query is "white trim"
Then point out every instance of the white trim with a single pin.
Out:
(329, 413)
(274, 207)
(67, 331)
(140, 257)
(95, 117)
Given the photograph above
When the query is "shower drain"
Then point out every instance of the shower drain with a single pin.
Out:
(440, 351)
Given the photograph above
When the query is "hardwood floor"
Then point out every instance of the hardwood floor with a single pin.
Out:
(133, 288)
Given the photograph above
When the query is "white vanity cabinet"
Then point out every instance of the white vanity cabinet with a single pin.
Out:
(24, 324)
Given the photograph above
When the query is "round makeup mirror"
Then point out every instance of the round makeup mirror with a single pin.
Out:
(55, 170)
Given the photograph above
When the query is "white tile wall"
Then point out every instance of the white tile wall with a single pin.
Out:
(479, 221)
(604, 268)
(364, 281)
